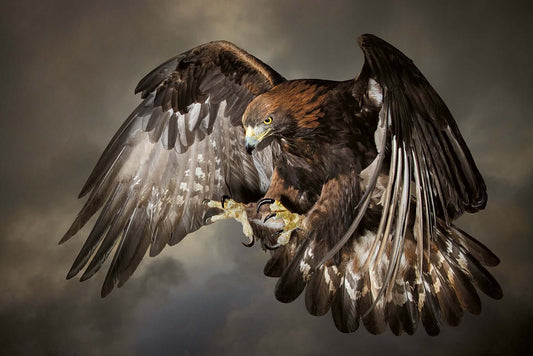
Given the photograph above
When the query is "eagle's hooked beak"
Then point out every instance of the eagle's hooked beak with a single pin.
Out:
(254, 135)
(250, 139)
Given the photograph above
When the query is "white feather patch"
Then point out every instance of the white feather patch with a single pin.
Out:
(305, 268)
(199, 173)
(375, 93)
(327, 277)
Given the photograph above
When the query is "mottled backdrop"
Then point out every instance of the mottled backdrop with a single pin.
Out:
(68, 69)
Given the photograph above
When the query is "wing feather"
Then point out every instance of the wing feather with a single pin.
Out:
(432, 179)
(181, 145)
(321, 290)
(344, 309)
(414, 264)
(423, 114)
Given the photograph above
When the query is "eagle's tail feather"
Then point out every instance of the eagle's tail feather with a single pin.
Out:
(294, 278)
(452, 268)
(280, 258)
(428, 306)
(321, 289)
(451, 271)
(401, 311)
(344, 309)
(446, 294)
(372, 314)
(463, 257)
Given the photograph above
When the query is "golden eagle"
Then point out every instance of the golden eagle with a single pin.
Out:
(352, 186)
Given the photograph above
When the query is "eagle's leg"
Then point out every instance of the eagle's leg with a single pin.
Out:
(232, 210)
(291, 221)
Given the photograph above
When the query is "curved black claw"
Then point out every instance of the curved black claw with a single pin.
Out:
(208, 215)
(275, 246)
(270, 216)
(264, 201)
(249, 244)
(271, 247)
(205, 201)
(224, 198)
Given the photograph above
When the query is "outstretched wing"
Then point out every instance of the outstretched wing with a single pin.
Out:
(402, 260)
(417, 261)
(181, 145)
(427, 154)
(425, 131)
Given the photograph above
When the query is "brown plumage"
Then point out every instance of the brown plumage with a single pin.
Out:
(375, 167)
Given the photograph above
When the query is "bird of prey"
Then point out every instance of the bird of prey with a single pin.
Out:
(351, 186)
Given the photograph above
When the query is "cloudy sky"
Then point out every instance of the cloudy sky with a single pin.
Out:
(68, 73)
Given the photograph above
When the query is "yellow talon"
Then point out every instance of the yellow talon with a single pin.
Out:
(232, 210)
(291, 221)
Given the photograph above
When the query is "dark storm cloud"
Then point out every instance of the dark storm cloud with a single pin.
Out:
(68, 73)
(57, 319)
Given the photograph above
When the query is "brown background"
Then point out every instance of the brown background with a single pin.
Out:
(68, 73)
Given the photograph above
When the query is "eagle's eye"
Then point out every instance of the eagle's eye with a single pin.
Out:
(268, 120)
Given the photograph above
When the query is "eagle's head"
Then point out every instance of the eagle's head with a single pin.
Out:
(260, 125)
(263, 120)
(291, 109)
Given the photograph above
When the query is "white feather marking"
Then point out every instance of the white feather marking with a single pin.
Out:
(410, 295)
(362, 245)
(198, 187)
(305, 268)
(375, 93)
(449, 248)
(327, 277)
(463, 263)
(180, 200)
(309, 252)
(183, 187)
(352, 292)
(199, 173)
(436, 285)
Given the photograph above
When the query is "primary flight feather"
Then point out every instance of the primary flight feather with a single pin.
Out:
(352, 186)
